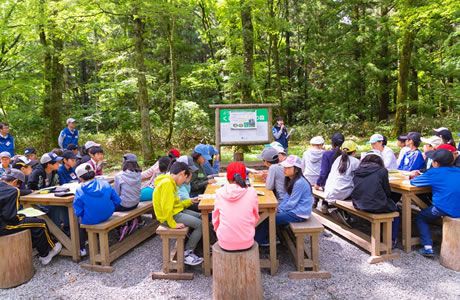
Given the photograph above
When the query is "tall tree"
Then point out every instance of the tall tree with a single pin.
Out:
(248, 50)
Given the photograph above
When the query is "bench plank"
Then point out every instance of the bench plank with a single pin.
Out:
(348, 206)
(310, 225)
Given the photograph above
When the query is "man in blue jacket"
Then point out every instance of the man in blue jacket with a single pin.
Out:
(6, 139)
(68, 135)
(443, 179)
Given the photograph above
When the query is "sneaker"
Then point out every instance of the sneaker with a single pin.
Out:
(324, 208)
(339, 217)
(326, 233)
(191, 259)
(134, 225)
(83, 252)
(55, 251)
(426, 252)
(123, 232)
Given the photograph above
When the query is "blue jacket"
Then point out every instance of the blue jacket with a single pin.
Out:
(444, 182)
(66, 176)
(280, 137)
(327, 160)
(67, 137)
(211, 170)
(300, 201)
(412, 160)
(95, 202)
(184, 191)
(7, 144)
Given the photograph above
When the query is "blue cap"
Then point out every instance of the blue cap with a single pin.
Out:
(203, 150)
(212, 151)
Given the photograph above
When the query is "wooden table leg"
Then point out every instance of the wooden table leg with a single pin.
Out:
(74, 234)
(406, 223)
(206, 254)
(272, 238)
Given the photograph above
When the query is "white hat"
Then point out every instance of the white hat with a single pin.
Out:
(434, 141)
(83, 169)
(70, 120)
(5, 154)
(440, 129)
(278, 147)
(292, 161)
(90, 144)
(376, 138)
(317, 140)
(50, 157)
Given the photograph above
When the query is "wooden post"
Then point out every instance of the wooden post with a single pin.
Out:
(450, 247)
(16, 265)
(236, 275)
(217, 131)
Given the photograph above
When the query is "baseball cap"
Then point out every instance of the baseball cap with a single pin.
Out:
(68, 154)
(442, 156)
(414, 136)
(90, 144)
(50, 158)
(188, 160)
(440, 129)
(212, 150)
(83, 169)
(447, 147)
(22, 160)
(5, 154)
(402, 138)
(236, 168)
(349, 146)
(130, 157)
(174, 152)
(445, 135)
(72, 147)
(376, 138)
(269, 154)
(317, 140)
(203, 150)
(70, 120)
(337, 139)
(30, 150)
(278, 147)
(15, 173)
(292, 161)
(434, 141)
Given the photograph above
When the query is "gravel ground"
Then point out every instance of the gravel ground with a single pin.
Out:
(410, 277)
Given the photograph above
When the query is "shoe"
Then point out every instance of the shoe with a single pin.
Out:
(141, 222)
(191, 259)
(339, 217)
(134, 225)
(326, 233)
(55, 251)
(83, 252)
(426, 252)
(123, 232)
(324, 208)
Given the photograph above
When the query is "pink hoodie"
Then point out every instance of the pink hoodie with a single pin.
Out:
(235, 215)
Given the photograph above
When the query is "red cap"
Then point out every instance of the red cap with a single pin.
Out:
(447, 147)
(234, 168)
(174, 152)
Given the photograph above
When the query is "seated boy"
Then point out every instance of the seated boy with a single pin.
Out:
(11, 222)
(413, 158)
(173, 212)
(5, 159)
(30, 153)
(66, 171)
(23, 164)
(97, 158)
(443, 179)
(275, 177)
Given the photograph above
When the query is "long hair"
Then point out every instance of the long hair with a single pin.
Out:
(289, 183)
(239, 180)
(344, 162)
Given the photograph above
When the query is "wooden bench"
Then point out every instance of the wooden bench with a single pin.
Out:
(379, 243)
(173, 261)
(294, 236)
(101, 255)
(450, 246)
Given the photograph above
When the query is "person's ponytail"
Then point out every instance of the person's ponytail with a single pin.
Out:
(344, 162)
(239, 180)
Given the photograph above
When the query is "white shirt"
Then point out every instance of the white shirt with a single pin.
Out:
(339, 186)
(389, 158)
(401, 154)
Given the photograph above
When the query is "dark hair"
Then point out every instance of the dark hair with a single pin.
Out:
(95, 150)
(2, 124)
(196, 155)
(178, 167)
(9, 178)
(416, 142)
(164, 163)
(385, 140)
(289, 183)
(371, 158)
(132, 166)
(239, 180)
(58, 151)
(344, 162)
(90, 175)
(279, 118)
(275, 161)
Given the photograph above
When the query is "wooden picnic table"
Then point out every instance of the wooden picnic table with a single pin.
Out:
(399, 183)
(267, 209)
(70, 245)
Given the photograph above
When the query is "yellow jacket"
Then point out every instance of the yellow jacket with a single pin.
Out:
(166, 201)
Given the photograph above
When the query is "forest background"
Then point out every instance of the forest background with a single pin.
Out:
(140, 75)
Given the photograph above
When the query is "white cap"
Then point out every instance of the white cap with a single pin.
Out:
(278, 147)
(83, 169)
(317, 140)
(434, 141)
(440, 129)
(292, 161)
(5, 154)
(376, 138)
(50, 158)
(70, 120)
(90, 144)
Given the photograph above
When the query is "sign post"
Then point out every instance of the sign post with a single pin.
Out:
(243, 124)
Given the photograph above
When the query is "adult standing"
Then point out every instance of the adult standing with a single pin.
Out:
(68, 135)
(6, 139)
(280, 133)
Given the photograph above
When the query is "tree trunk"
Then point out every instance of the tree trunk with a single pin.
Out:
(57, 90)
(403, 81)
(142, 94)
(248, 50)
(84, 79)
(384, 81)
(288, 44)
(173, 64)
(276, 57)
(413, 92)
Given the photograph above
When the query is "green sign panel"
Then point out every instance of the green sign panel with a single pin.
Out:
(262, 114)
